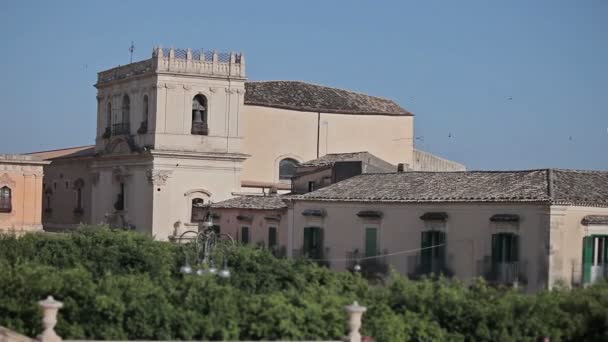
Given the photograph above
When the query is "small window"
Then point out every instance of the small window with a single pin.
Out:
(198, 210)
(311, 186)
(126, 109)
(48, 193)
(287, 168)
(6, 205)
(272, 237)
(79, 185)
(505, 248)
(371, 241)
(145, 109)
(120, 200)
(143, 127)
(199, 115)
(245, 235)
(313, 242)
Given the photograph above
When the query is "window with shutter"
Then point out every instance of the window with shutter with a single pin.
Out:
(244, 235)
(371, 241)
(272, 237)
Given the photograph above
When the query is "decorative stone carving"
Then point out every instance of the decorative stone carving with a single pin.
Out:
(169, 86)
(158, 177)
(213, 89)
(230, 91)
(240, 91)
(5, 179)
(187, 87)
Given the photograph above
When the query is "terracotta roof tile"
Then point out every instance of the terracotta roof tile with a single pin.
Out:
(308, 97)
(567, 186)
(251, 202)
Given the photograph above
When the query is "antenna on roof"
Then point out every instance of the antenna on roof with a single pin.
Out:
(131, 49)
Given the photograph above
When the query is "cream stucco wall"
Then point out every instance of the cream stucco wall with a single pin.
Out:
(468, 233)
(566, 244)
(23, 175)
(271, 134)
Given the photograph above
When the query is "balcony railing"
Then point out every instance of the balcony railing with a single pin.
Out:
(599, 272)
(418, 267)
(121, 128)
(200, 128)
(505, 272)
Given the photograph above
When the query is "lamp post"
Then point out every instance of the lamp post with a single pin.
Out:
(206, 240)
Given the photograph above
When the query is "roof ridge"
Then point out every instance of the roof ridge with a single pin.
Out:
(329, 87)
(60, 149)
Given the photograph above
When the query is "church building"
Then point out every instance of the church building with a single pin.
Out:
(184, 128)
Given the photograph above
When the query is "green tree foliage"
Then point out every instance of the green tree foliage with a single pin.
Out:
(122, 285)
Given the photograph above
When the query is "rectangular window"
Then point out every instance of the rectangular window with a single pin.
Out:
(432, 255)
(311, 186)
(595, 258)
(371, 241)
(272, 237)
(313, 242)
(505, 248)
(244, 235)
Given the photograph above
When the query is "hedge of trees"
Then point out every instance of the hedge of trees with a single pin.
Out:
(123, 285)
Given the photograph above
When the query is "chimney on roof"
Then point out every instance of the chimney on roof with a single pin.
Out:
(272, 190)
(400, 167)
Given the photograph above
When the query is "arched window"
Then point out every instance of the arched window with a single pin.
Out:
(108, 132)
(6, 205)
(143, 128)
(109, 115)
(198, 210)
(48, 193)
(79, 185)
(287, 168)
(199, 115)
(126, 109)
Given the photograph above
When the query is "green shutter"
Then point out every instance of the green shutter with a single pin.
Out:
(245, 235)
(319, 243)
(441, 249)
(515, 248)
(272, 237)
(371, 242)
(426, 253)
(307, 245)
(496, 248)
(587, 258)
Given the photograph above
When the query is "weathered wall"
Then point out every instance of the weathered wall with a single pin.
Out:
(566, 241)
(468, 230)
(271, 134)
(60, 192)
(424, 161)
(23, 175)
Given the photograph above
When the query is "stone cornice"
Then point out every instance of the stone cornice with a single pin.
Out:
(200, 155)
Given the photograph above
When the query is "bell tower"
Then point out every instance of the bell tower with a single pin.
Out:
(169, 132)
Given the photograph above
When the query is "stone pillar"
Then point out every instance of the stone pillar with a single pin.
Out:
(356, 313)
(49, 318)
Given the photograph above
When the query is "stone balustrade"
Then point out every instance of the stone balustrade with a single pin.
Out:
(50, 308)
(188, 61)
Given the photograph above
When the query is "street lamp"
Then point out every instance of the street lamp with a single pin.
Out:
(206, 240)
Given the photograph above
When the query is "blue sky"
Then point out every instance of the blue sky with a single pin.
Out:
(493, 84)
